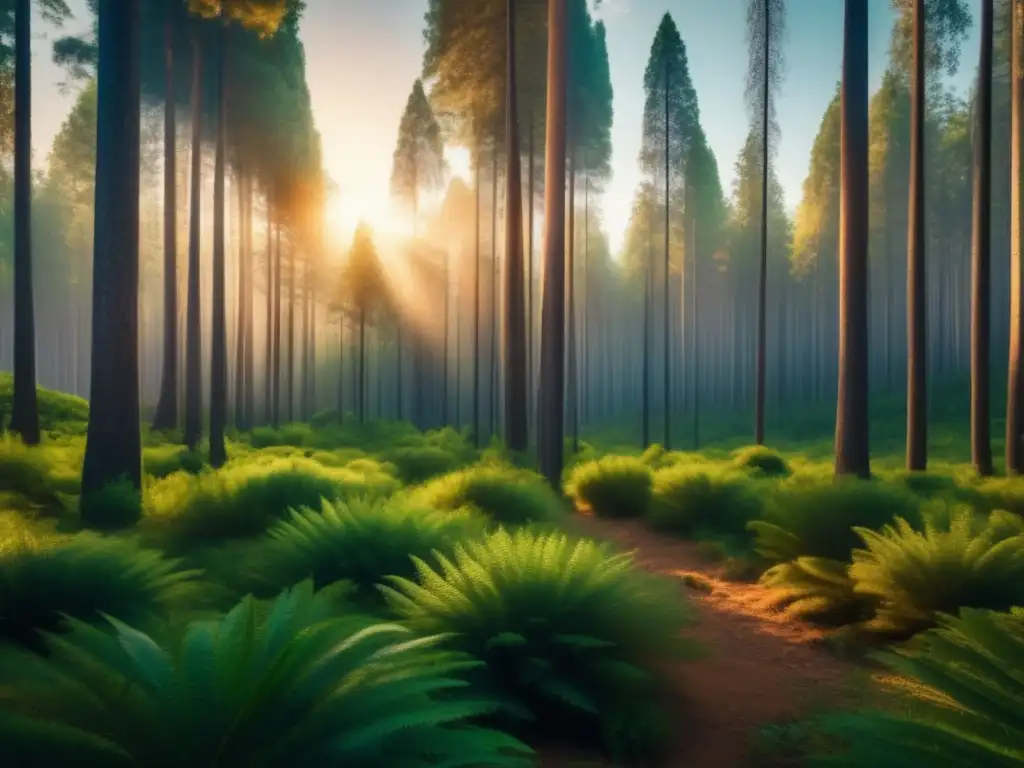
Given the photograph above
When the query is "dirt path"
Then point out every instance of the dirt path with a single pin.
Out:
(759, 667)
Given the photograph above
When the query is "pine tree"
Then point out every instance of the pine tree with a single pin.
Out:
(670, 122)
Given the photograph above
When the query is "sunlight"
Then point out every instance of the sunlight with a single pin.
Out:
(460, 162)
(389, 225)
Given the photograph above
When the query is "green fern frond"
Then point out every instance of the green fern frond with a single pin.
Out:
(285, 683)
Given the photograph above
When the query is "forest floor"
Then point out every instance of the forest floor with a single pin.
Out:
(757, 668)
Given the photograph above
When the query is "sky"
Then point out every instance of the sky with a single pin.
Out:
(364, 55)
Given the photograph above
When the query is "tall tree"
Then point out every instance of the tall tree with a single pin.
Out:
(981, 239)
(1015, 383)
(113, 449)
(552, 387)
(671, 117)
(516, 434)
(193, 320)
(852, 451)
(25, 408)
(765, 27)
(418, 166)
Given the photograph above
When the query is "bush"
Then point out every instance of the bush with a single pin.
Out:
(818, 590)
(614, 486)
(964, 704)
(917, 575)
(762, 460)
(284, 684)
(690, 500)
(505, 494)
(244, 498)
(163, 460)
(819, 520)
(115, 506)
(84, 577)
(37, 474)
(295, 434)
(419, 463)
(569, 632)
(358, 541)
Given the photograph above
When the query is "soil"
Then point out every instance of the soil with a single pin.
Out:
(759, 666)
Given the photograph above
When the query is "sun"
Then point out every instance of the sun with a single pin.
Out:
(390, 225)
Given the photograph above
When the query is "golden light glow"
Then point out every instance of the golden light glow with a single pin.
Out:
(460, 162)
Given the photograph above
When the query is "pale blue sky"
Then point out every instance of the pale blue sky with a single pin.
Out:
(363, 56)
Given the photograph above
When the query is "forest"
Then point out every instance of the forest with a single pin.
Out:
(469, 487)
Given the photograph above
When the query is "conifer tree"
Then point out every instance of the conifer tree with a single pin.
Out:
(671, 117)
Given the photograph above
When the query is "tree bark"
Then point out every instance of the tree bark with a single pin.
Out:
(193, 333)
(1015, 384)
(166, 417)
(113, 449)
(219, 345)
(477, 437)
(917, 351)
(25, 407)
(762, 273)
(552, 389)
(666, 349)
(981, 444)
(852, 455)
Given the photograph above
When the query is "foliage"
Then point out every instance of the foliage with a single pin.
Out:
(419, 463)
(84, 577)
(917, 575)
(58, 412)
(613, 486)
(288, 682)
(419, 156)
(819, 520)
(817, 589)
(964, 707)
(503, 493)
(246, 496)
(40, 475)
(568, 631)
(162, 460)
(763, 460)
(693, 499)
(114, 506)
(359, 541)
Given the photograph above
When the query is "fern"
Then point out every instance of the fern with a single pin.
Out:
(567, 631)
(918, 575)
(84, 577)
(361, 541)
(285, 683)
(969, 713)
(816, 589)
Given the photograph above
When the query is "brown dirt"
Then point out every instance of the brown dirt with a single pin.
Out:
(759, 666)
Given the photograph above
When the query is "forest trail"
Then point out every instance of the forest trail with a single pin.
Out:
(758, 667)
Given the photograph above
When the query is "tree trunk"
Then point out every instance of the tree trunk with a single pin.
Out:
(476, 305)
(492, 411)
(852, 454)
(276, 372)
(981, 444)
(570, 291)
(166, 416)
(341, 368)
(666, 350)
(290, 362)
(113, 449)
(362, 365)
(1015, 385)
(25, 407)
(531, 316)
(762, 272)
(268, 381)
(241, 339)
(194, 339)
(219, 342)
(917, 351)
(552, 389)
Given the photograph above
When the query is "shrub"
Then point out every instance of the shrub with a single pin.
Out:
(689, 500)
(358, 541)
(31, 473)
(569, 632)
(762, 460)
(964, 704)
(614, 486)
(115, 506)
(295, 434)
(163, 460)
(243, 499)
(84, 577)
(419, 463)
(818, 590)
(58, 412)
(284, 684)
(819, 520)
(505, 494)
(917, 575)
